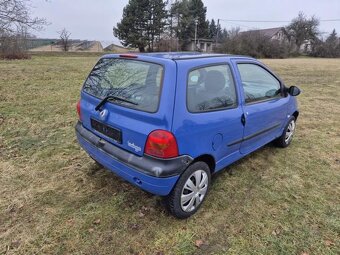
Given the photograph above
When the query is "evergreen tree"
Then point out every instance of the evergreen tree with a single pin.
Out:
(198, 11)
(219, 32)
(142, 23)
(181, 18)
(332, 45)
(224, 35)
(212, 29)
(185, 13)
(157, 21)
(332, 38)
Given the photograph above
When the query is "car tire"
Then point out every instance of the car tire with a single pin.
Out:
(190, 191)
(286, 138)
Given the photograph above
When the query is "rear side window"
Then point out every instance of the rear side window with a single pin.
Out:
(258, 84)
(135, 81)
(211, 88)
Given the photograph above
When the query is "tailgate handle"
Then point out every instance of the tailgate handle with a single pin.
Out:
(101, 143)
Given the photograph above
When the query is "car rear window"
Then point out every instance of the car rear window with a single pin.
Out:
(136, 81)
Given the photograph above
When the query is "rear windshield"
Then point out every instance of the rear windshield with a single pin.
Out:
(135, 81)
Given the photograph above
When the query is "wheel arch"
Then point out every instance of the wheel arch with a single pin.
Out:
(296, 114)
(208, 159)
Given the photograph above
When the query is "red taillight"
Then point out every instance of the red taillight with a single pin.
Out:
(161, 144)
(78, 110)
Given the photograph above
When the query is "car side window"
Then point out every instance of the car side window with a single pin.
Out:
(258, 84)
(211, 88)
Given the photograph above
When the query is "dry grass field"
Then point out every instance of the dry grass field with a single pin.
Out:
(55, 200)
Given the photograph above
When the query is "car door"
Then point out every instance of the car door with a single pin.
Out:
(207, 116)
(264, 105)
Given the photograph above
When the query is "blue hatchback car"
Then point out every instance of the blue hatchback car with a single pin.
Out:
(166, 122)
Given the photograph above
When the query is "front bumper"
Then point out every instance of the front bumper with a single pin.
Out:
(157, 176)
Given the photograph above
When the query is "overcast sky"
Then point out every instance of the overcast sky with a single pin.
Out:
(94, 19)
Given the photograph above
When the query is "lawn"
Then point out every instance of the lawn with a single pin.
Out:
(55, 200)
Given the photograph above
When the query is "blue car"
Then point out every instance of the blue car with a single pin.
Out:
(166, 122)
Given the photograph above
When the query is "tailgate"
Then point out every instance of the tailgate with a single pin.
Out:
(121, 123)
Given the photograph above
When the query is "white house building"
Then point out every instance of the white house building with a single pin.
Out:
(203, 45)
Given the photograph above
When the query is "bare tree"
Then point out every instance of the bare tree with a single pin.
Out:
(15, 25)
(16, 14)
(64, 36)
(302, 29)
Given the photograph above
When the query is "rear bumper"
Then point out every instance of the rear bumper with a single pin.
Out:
(154, 175)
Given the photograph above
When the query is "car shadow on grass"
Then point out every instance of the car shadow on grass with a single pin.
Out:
(110, 184)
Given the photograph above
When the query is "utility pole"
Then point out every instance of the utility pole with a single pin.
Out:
(196, 23)
(218, 33)
(177, 25)
(171, 24)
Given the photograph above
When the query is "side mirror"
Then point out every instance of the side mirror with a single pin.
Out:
(294, 91)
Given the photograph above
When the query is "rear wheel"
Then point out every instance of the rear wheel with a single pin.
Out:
(190, 191)
(286, 138)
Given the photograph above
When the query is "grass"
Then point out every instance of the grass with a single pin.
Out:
(55, 200)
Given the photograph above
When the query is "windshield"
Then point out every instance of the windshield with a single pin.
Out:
(136, 81)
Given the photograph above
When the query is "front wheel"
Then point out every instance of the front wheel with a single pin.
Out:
(286, 138)
(190, 191)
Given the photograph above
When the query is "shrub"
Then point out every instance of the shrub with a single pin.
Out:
(255, 45)
(330, 48)
(13, 46)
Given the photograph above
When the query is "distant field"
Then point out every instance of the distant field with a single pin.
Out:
(54, 200)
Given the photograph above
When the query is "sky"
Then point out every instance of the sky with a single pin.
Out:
(94, 19)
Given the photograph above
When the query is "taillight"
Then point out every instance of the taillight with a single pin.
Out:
(161, 144)
(78, 110)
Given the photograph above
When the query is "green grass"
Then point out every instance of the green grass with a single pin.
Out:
(54, 200)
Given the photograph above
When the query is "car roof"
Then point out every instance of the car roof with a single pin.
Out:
(177, 55)
(183, 55)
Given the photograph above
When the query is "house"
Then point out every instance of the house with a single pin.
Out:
(277, 33)
(87, 46)
(116, 48)
(203, 45)
(306, 46)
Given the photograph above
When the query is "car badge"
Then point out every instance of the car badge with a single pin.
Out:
(103, 114)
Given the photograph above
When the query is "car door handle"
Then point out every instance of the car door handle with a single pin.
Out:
(243, 119)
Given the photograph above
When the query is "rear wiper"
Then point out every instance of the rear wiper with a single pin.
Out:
(114, 98)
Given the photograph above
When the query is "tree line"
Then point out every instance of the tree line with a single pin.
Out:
(146, 24)
(157, 25)
(160, 25)
(301, 36)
